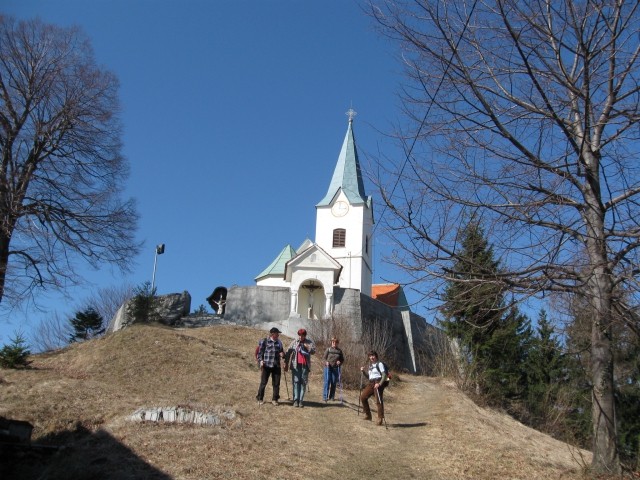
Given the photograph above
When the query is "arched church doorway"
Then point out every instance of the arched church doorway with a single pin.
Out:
(312, 301)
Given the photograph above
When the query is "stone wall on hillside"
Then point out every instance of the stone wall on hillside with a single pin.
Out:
(412, 338)
(254, 306)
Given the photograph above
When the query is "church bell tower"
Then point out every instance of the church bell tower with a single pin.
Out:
(344, 218)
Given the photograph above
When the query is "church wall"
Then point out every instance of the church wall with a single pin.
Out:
(390, 319)
(256, 305)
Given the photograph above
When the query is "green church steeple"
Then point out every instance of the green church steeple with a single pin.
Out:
(347, 175)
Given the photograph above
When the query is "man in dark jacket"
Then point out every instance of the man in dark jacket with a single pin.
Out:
(270, 354)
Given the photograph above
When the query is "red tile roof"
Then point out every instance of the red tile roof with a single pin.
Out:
(386, 293)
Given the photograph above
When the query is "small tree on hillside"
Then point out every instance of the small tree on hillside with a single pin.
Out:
(141, 308)
(546, 372)
(15, 354)
(201, 310)
(86, 324)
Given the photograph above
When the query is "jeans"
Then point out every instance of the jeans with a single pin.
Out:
(275, 373)
(299, 378)
(331, 379)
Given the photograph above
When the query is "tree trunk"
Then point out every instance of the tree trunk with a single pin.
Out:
(605, 449)
(4, 262)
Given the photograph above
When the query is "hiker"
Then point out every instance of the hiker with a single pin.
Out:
(270, 354)
(299, 359)
(333, 359)
(377, 374)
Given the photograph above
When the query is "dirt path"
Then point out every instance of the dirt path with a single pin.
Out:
(435, 432)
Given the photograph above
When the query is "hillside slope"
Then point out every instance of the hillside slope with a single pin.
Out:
(82, 397)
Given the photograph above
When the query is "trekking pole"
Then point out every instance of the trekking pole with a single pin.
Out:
(340, 381)
(325, 385)
(286, 383)
(360, 393)
(384, 418)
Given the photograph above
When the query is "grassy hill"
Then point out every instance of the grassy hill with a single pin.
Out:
(81, 399)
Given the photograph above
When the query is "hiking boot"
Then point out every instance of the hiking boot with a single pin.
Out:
(301, 405)
(296, 404)
(260, 402)
(367, 417)
(379, 421)
(275, 403)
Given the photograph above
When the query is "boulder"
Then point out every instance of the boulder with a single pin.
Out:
(167, 309)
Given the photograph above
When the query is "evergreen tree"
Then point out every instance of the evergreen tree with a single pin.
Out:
(142, 306)
(15, 354)
(545, 374)
(505, 357)
(473, 304)
(86, 324)
(495, 340)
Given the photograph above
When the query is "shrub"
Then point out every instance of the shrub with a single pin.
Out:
(15, 354)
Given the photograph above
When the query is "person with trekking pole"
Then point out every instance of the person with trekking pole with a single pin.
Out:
(270, 355)
(377, 375)
(298, 359)
(333, 359)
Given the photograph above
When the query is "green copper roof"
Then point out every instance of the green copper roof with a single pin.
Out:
(277, 266)
(347, 175)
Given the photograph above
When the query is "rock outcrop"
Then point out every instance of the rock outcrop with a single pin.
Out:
(166, 309)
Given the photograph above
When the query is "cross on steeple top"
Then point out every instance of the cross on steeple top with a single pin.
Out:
(351, 113)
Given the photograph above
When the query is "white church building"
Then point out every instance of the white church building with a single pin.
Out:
(341, 254)
(332, 276)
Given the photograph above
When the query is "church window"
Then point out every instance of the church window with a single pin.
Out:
(339, 237)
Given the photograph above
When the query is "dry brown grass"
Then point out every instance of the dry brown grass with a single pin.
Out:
(80, 398)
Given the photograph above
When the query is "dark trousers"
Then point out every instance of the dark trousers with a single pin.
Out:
(275, 373)
(367, 391)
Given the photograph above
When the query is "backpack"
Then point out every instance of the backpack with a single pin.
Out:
(386, 368)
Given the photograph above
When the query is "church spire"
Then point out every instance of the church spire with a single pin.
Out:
(347, 175)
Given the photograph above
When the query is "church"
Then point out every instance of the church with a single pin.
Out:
(332, 276)
(341, 254)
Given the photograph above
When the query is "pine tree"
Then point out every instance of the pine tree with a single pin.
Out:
(505, 356)
(546, 371)
(86, 324)
(473, 304)
(15, 354)
(141, 308)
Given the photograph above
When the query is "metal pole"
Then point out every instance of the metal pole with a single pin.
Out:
(153, 278)
(159, 251)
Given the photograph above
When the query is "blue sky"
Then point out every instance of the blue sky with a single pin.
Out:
(234, 115)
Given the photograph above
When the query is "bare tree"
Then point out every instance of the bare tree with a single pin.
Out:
(51, 333)
(108, 300)
(61, 168)
(524, 113)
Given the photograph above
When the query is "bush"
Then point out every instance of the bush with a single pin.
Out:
(15, 354)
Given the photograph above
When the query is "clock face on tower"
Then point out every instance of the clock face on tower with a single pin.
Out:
(340, 209)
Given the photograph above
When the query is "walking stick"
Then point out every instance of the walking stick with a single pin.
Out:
(286, 383)
(340, 381)
(384, 418)
(325, 386)
(360, 393)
